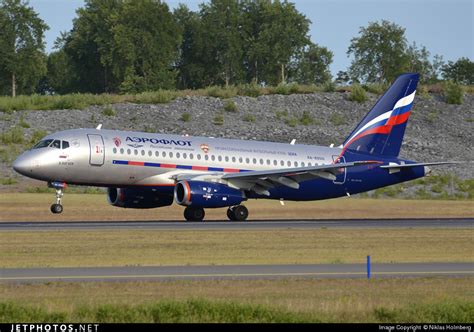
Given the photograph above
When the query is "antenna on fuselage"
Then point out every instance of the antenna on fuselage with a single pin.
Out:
(99, 127)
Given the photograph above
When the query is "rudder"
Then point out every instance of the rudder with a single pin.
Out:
(382, 129)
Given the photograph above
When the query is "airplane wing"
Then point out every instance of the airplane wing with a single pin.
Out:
(261, 181)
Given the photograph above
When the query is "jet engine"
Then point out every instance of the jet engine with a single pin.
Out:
(137, 198)
(206, 194)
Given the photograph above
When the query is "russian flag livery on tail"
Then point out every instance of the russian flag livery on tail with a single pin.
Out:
(381, 131)
(146, 170)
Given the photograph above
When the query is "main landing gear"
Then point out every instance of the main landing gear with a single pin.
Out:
(59, 187)
(234, 213)
(237, 213)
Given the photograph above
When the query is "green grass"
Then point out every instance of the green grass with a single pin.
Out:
(231, 106)
(191, 311)
(80, 101)
(14, 135)
(218, 120)
(337, 119)
(109, 111)
(358, 94)
(185, 117)
(453, 93)
(219, 311)
(249, 118)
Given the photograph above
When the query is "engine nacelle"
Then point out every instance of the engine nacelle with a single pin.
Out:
(206, 194)
(137, 198)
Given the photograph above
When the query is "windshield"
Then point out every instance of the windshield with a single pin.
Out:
(52, 143)
(43, 144)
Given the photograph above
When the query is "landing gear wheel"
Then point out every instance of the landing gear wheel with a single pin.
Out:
(237, 213)
(56, 208)
(194, 213)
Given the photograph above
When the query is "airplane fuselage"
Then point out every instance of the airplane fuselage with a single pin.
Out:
(123, 159)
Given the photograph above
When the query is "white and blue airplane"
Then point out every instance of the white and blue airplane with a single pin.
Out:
(143, 170)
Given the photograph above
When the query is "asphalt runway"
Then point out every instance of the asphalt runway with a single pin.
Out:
(227, 225)
(213, 272)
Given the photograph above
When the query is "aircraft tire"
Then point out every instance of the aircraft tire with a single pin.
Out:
(238, 213)
(56, 208)
(194, 213)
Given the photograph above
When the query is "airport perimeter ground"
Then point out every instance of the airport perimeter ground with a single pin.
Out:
(394, 299)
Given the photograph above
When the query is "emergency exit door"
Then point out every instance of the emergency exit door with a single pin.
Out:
(96, 145)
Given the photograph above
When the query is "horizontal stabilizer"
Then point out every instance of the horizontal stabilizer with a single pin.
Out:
(395, 165)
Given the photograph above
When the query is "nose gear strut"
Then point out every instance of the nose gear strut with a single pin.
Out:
(59, 187)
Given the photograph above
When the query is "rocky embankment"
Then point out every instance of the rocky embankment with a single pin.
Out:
(436, 130)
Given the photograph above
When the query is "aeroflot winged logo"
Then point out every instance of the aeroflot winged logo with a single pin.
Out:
(157, 141)
(205, 148)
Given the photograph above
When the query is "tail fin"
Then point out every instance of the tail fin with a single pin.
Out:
(382, 129)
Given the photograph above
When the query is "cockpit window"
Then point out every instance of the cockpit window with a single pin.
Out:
(56, 144)
(43, 144)
(52, 143)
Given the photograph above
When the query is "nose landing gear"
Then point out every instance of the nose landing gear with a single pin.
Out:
(59, 186)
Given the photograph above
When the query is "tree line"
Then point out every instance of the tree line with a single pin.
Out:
(125, 46)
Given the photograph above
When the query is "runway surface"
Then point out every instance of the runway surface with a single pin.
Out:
(235, 272)
(227, 225)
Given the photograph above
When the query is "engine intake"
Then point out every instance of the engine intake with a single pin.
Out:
(206, 194)
(137, 198)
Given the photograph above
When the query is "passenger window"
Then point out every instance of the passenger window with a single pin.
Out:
(219, 158)
(185, 155)
(288, 163)
(150, 153)
(178, 155)
(268, 161)
(213, 157)
(114, 150)
(198, 156)
(261, 161)
(163, 154)
(226, 158)
(128, 151)
(143, 152)
(296, 164)
(171, 154)
(247, 160)
(135, 152)
(254, 160)
(275, 162)
(121, 151)
(65, 144)
(282, 162)
(206, 157)
(233, 159)
(157, 154)
(241, 160)
(302, 164)
(191, 156)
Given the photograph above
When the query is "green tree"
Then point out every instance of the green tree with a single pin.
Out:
(223, 48)
(380, 53)
(312, 65)
(190, 65)
(146, 39)
(461, 71)
(90, 47)
(22, 56)
(284, 32)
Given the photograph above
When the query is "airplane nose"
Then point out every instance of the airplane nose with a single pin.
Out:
(23, 165)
